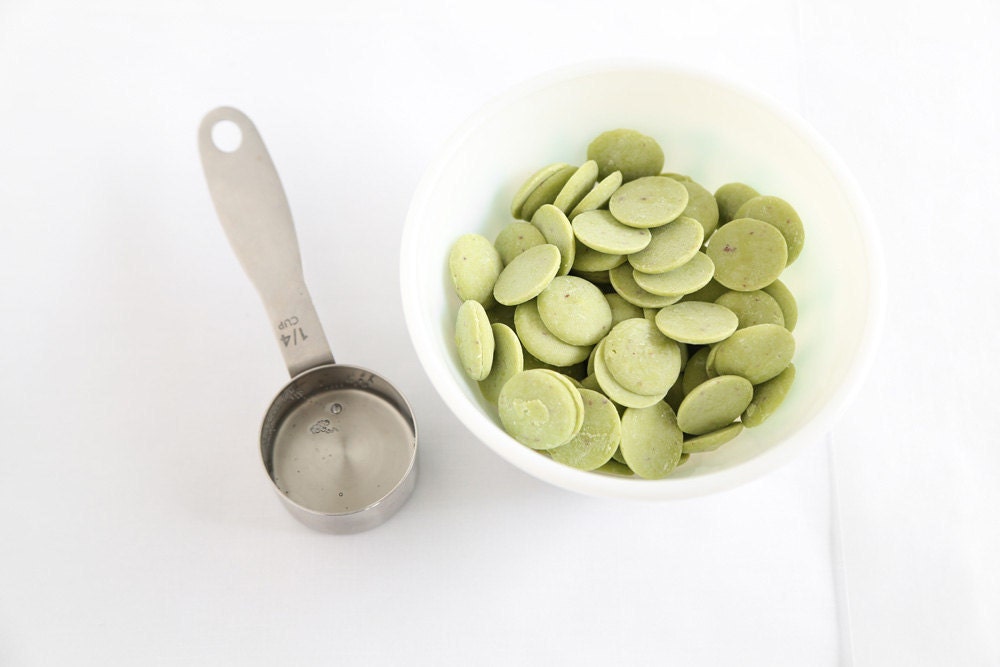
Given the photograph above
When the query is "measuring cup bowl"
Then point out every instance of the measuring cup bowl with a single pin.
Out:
(339, 443)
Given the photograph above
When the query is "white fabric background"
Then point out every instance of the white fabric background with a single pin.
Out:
(136, 526)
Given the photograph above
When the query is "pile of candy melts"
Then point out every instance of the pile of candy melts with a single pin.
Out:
(626, 319)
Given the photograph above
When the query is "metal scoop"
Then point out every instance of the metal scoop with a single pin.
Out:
(338, 442)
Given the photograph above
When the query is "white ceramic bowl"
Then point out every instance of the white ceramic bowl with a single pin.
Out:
(712, 130)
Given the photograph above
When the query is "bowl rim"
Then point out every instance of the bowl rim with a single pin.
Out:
(669, 488)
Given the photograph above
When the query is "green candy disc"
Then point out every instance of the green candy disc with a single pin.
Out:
(542, 343)
(501, 313)
(752, 308)
(599, 196)
(596, 277)
(508, 361)
(696, 322)
(590, 382)
(776, 211)
(632, 153)
(589, 260)
(757, 353)
(530, 185)
(574, 385)
(680, 178)
(730, 197)
(616, 468)
(640, 358)
(687, 278)
(709, 293)
(527, 275)
(786, 301)
(650, 201)
(675, 394)
(623, 281)
(748, 254)
(600, 231)
(701, 206)
(539, 410)
(515, 238)
(651, 443)
(578, 185)
(695, 371)
(621, 309)
(598, 436)
(474, 339)
(711, 441)
(714, 404)
(546, 193)
(474, 265)
(669, 247)
(767, 396)
(555, 227)
(613, 390)
(574, 310)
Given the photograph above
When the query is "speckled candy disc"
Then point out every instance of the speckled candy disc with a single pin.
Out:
(748, 254)
(474, 265)
(776, 211)
(650, 201)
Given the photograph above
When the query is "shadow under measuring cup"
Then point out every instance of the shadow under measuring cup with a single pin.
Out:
(338, 442)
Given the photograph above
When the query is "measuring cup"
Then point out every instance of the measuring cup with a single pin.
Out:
(338, 442)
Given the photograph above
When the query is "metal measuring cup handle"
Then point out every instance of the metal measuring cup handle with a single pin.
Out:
(257, 220)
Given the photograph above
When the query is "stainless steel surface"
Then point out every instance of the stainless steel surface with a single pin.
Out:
(338, 442)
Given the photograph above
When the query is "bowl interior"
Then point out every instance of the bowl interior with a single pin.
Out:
(712, 131)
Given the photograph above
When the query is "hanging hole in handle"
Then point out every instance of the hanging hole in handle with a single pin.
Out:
(226, 136)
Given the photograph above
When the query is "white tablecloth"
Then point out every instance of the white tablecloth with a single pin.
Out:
(137, 525)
